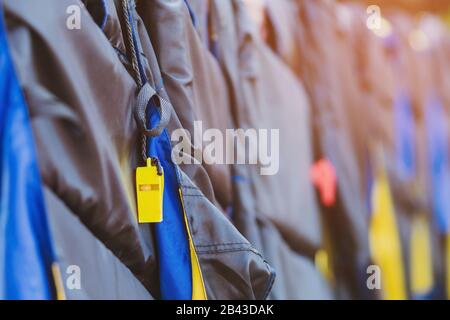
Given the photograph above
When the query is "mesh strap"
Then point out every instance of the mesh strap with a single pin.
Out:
(143, 99)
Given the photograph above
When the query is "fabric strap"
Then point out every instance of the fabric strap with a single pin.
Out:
(147, 93)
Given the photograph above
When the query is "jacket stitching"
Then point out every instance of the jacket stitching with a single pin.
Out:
(189, 187)
(225, 251)
(221, 244)
(194, 195)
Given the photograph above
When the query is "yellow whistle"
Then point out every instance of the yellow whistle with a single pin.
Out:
(150, 191)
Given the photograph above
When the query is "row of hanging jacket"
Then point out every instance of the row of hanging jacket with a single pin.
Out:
(379, 103)
(92, 91)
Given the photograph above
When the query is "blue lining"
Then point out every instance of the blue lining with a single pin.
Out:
(191, 13)
(172, 239)
(105, 15)
(238, 179)
(438, 162)
(26, 252)
(369, 182)
(405, 137)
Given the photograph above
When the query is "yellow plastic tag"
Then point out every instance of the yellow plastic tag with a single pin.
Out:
(150, 191)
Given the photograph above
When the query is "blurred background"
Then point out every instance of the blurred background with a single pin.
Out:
(381, 70)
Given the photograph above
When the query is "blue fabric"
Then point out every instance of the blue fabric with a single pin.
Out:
(105, 14)
(26, 252)
(405, 137)
(438, 164)
(370, 181)
(171, 235)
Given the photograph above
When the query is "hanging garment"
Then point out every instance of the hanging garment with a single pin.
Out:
(266, 103)
(421, 224)
(89, 270)
(416, 67)
(298, 275)
(385, 242)
(436, 119)
(177, 259)
(27, 262)
(421, 265)
(436, 92)
(266, 95)
(409, 204)
(409, 201)
(282, 31)
(393, 116)
(74, 103)
(435, 30)
(218, 252)
(335, 108)
(388, 115)
(213, 33)
(405, 137)
(396, 125)
(197, 89)
(439, 165)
